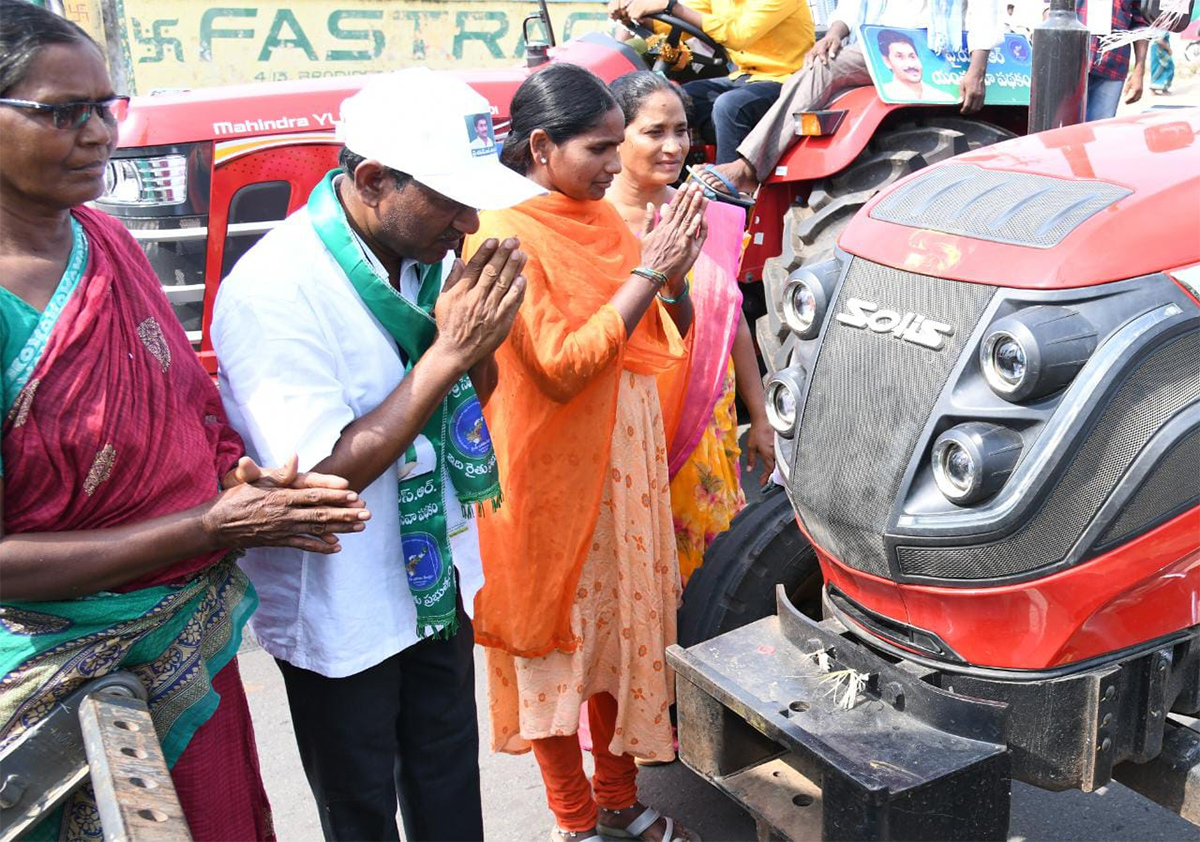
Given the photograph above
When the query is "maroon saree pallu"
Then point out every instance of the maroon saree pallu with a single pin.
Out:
(119, 422)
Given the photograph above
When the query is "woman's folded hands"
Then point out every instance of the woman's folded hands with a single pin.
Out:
(283, 507)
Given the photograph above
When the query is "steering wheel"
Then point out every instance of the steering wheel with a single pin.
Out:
(679, 28)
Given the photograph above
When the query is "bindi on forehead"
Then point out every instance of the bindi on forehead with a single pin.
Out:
(660, 113)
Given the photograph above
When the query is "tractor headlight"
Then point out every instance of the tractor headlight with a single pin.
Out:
(803, 305)
(146, 182)
(806, 296)
(1007, 359)
(957, 468)
(973, 460)
(1036, 352)
(784, 392)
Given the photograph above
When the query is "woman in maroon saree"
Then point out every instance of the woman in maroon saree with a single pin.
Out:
(125, 494)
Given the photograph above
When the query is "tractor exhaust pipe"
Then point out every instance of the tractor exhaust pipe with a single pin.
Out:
(1060, 69)
(537, 52)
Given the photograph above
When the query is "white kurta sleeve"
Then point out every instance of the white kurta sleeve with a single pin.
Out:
(849, 12)
(278, 375)
(984, 24)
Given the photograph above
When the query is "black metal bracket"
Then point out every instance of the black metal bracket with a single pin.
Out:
(762, 715)
(1172, 779)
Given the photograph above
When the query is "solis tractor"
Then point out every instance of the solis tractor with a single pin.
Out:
(987, 408)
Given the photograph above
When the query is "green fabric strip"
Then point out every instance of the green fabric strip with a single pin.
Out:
(457, 430)
(19, 368)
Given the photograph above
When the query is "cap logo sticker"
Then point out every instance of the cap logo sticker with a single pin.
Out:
(481, 134)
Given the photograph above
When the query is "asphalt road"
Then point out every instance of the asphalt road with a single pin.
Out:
(514, 803)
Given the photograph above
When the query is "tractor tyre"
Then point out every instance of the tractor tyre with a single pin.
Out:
(811, 231)
(736, 584)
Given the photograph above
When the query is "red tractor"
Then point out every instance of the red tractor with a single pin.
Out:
(200, 175)
(987, 407)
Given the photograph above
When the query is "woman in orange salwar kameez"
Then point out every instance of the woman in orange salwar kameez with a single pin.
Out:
(582, 578)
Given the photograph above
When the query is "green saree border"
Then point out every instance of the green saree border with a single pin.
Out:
(18, 372)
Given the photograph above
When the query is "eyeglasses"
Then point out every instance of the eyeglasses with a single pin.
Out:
(70, 116)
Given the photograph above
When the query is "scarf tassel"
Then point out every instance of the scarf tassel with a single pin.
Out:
(478, 508)
(1119, 38)
(429, 629)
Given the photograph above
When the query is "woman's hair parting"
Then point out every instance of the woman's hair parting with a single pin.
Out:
(24, 30)
(563, 100)
(633, 89)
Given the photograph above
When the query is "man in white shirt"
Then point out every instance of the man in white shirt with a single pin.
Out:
(830, 69)
(351, 335)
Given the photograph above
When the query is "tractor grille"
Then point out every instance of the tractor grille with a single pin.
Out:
(1170, 488)
(870, 396)
(1165, 382)
(1004, 207)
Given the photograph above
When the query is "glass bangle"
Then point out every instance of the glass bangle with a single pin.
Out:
(652, 275)
(687, 287)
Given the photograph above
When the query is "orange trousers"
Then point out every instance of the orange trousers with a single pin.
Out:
(567, 790)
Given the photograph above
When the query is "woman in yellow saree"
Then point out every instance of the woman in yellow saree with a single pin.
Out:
(703, 449)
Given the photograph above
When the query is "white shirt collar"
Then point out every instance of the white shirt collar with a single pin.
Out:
(410, 276)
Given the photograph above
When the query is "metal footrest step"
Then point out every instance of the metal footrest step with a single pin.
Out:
(761, 716)
(102, 731)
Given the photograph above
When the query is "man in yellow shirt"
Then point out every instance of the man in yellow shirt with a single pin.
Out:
(766, 39)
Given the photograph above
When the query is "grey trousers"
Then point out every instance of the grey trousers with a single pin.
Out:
(808, 89)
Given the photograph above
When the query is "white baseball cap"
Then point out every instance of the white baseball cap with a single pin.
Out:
(432, 126)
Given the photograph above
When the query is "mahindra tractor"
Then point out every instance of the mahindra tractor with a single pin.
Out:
(980, 560)
(200, 175)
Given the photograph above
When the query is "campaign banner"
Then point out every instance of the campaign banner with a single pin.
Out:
(905, 70)
(171, 44)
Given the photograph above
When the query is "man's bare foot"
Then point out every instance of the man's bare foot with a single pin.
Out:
(739, 172)
(656, 832)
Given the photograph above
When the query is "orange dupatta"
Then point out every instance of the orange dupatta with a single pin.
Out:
(552, 414)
